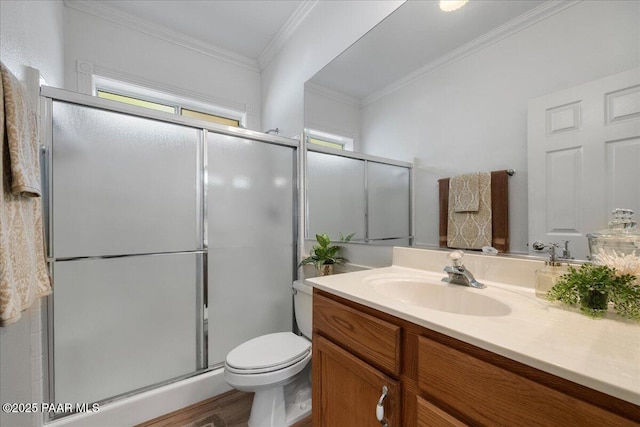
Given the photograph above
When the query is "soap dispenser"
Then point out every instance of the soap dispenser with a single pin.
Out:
(548, 276)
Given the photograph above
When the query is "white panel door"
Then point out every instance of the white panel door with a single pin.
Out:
(584, 159)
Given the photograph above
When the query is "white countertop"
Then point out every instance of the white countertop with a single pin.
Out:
(603, 354)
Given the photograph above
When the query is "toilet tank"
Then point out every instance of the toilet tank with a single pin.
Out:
(303, 306)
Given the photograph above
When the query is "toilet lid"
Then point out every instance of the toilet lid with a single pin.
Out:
(269, 351)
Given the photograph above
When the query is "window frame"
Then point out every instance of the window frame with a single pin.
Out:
(330, 139)
(125, 89)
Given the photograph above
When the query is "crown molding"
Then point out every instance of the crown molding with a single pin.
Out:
(512, 27)
(99, 10)
(332, 94)
(285, 33)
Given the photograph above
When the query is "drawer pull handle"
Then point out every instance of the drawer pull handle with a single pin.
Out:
(380, 407)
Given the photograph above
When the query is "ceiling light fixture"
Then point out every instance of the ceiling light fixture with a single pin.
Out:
(451, 5)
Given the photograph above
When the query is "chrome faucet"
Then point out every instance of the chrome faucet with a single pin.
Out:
(458, 274)
(538, 246)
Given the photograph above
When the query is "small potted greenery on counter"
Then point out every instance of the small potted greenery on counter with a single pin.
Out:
(323, 256)
(593, 287)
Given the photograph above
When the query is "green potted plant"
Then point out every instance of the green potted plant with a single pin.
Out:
(323, 255)
(593, 287)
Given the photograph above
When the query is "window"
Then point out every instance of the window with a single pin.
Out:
(135, 101)
(209, 117)
(324, 143)
(326, 139)
(148, 98)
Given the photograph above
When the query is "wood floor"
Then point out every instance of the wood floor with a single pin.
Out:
(230, 409)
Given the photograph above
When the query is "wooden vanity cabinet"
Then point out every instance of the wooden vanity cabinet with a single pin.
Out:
(355, 355)
(436, 380)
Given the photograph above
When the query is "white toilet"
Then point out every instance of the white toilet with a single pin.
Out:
(276, 367)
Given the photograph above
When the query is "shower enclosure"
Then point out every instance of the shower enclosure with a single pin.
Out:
(171, 240)
(357, 193)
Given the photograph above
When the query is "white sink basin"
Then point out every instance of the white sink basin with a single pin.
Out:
(429, 292)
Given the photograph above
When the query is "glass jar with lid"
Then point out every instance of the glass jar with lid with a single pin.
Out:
(619, 245)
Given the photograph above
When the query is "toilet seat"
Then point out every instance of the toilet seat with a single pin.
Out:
(268, 353)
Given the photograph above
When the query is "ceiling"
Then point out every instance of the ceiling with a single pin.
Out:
(418, 33)
(245, 28)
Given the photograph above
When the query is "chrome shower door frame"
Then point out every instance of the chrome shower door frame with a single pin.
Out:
(47, 97)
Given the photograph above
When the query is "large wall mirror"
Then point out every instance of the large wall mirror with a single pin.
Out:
(457, 92)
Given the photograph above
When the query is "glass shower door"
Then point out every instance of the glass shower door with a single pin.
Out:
(250, 211)
(127, 252)
(122, 324)
(388, 197)
(336, 199)
(122, 184)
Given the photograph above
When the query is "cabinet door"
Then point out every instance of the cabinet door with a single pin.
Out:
(346, 389)
(429, 415)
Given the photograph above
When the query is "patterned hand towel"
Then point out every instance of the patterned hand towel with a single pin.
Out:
(23, 271)
(471, 230)
(466, 192)
(22, 138)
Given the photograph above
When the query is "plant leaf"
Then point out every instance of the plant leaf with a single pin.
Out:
(323, 239)
(346, 239)
(307, 260)
(332, 251)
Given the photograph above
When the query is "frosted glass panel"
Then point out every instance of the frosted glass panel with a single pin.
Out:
(122, 324)
(335, 196)
(250, 192)
(249, 295)
(250, 228)
(388, 193)
(122, 184)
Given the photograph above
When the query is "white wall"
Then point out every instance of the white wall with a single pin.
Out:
(330, 28)
(146, 60)
(31, 34)
(472, 115)
(328, 113)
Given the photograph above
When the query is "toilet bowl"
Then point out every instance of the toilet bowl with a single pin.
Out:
(276, 368)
